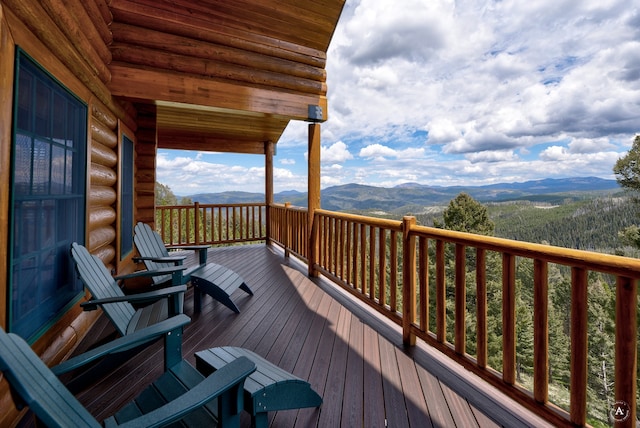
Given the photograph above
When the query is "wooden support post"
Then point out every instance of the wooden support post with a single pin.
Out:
(408, 280)
(269, 149)
(313, 185)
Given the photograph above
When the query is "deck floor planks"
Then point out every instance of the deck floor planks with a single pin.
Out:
(333, 396)
(459, 407)
(362, 373)
(394, 403)
(417, 411)
(352, 404)
(436, 401)
(314, 360)
(373, 396)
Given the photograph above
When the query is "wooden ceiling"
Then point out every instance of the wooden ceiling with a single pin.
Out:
(224, 75)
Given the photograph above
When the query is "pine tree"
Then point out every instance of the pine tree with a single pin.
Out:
(465, 214)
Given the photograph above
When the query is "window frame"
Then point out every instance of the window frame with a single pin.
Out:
(60, 145)
(126, 193)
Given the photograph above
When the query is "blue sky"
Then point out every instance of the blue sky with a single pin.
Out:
(447, 92)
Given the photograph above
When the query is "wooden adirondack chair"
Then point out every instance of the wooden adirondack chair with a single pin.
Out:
(155, 254)
(105, 292)
(190, 394)
(216, 280)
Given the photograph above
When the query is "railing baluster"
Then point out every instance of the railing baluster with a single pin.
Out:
(356, 254)
(481, 307)
(348, 278)
(423, 280)
(540, 331)
(341, 249)
(509, 318)
(626, 358)
(579, 314)
(196, 221)
(460, 299)
(363, 258)
(441, 293)
(372, 262)
(393, 280)
(382, 265)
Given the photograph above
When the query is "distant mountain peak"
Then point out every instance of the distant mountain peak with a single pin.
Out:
(414, 197)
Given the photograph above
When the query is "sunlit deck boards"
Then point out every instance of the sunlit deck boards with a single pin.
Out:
(355, 361)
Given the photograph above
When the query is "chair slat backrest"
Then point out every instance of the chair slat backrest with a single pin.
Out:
(38, 387)
(96, 277)
(149, 244)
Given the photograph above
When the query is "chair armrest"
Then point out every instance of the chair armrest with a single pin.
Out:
(219, 382)
(200, 249)
(187, 247)
(168, 259)
(157, 272)
(142, 336)
(91, 305)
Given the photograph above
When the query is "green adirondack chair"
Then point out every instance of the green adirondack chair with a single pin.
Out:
(155, 254)
(216, 280)
(179, 394)
(160, 304)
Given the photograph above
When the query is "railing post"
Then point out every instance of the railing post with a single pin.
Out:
(408, 280)
(313, 247)
(287, 229)
(624, 409)
(196, 222)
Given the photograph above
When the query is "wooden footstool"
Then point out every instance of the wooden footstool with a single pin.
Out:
(218, 282)
(267, 389)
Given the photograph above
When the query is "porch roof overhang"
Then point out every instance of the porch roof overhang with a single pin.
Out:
(224, 76)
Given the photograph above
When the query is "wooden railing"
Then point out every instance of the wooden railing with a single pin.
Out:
(289, 229)
(419, 278)
(401, 269)
(211, 223)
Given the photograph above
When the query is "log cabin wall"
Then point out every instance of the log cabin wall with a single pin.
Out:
(146, 147)
(149, 33)
(70, 41)
(102, 192)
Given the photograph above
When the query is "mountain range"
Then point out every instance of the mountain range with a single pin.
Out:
(414, 197)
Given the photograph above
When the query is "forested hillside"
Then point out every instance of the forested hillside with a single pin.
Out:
(589, 224)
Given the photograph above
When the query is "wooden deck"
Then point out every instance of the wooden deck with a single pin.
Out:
(352, 358)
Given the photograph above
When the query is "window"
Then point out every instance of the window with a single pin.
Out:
(126, 198)
(47, 197)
